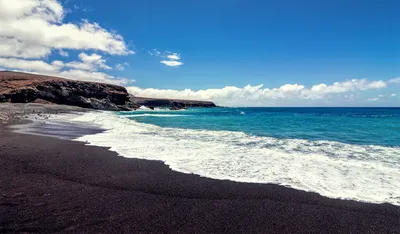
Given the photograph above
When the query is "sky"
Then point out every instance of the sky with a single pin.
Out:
(232, 52)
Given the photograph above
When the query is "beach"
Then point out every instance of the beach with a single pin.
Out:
(54, 185)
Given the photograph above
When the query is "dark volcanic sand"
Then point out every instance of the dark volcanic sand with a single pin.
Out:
(53, 185)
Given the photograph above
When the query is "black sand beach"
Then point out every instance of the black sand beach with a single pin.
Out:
(53, 185)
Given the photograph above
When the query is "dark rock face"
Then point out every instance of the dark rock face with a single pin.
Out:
(23, 88)
(84, 94)
(173, 104)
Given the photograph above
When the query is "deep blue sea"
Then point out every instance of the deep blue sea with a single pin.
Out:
(347, 153)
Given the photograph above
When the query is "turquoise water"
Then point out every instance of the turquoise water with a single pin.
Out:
(347, 153)
(374, 126)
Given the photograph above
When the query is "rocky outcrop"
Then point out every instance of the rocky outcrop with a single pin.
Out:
(22, 88)
(173, 104)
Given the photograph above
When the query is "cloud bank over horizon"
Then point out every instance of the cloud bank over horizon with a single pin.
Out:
(346, 93)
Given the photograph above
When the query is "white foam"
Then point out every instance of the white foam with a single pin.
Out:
(333, 169)
(144, 108)
(157, 109)
(152, 115)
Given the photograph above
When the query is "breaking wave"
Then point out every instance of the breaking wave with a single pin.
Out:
(367, 173)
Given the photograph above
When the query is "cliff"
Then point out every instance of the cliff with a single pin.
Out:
(22, 88)
(171, 103)
(19, 87)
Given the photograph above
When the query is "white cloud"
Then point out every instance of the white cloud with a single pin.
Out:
(286, 95)
(31, 29)
(376, 85)
(11, 47)
(86, 70)
(63, 53)
(28, 65)
(395, 80)
(172, 63)
(121, 67)
(35, 27)
(382, 96)
(174, 56)
(170, 58)
(350, 85)
(91, 76)
(91, 62)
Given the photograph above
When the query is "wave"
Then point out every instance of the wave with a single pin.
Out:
(338, 170)
(156, 109)
(152, 115)
(144, 108)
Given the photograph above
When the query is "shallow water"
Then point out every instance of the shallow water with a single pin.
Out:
(59, 129)
(339, 152)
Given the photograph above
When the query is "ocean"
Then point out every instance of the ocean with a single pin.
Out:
(346, 153)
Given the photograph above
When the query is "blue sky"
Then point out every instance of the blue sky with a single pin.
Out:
(239, 43)
(236, 42)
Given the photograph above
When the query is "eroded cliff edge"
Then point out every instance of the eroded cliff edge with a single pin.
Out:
(19, 87)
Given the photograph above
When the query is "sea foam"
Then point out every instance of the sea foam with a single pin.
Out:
(368, 173)
(152, 115)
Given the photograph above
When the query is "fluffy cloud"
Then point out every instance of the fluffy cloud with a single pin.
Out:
(11, 47)
(289, 94)
(171, 63)
(351, 85)
(172, 59)
(87, 69)
(91, 76)
(91, 62)
(31, 29)
(29, 65)
(38, 25)
(169, 58)
(174, 56)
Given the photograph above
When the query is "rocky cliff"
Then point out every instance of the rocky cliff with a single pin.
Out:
(171, 103)
(22, 88)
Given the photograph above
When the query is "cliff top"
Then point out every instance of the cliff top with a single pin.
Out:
(10, 80)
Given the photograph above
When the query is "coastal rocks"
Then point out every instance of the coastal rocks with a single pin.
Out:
(17, 87)
(173, 104)
(25, 88)
(22, 95)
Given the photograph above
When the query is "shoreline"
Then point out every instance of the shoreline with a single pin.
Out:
(82, 188)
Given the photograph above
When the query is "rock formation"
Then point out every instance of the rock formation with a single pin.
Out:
(173, 104)
(23, 88)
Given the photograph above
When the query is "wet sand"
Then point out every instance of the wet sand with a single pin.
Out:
(54, 185)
